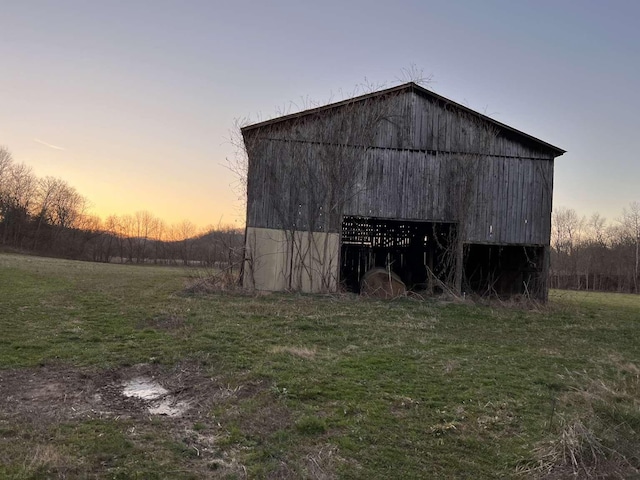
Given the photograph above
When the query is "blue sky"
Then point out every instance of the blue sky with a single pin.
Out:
(139, 96)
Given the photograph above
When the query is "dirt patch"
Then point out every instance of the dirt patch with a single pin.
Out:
(57, 394)
(160, 401)
(179, 409)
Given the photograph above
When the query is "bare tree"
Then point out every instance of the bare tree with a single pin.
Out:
(145, 229)
(593, 250)
(18, 192)
(566, 238)
(52, 205)
(631, 227)
(6, 160)
(67, 206)
(181, 235)
(6, 164)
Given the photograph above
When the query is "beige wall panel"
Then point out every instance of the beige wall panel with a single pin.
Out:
(277, 260)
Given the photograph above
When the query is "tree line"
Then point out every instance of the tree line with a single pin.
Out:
(48, 216)
(594, 254)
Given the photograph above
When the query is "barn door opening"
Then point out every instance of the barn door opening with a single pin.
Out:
(505, 270)
(408, 248)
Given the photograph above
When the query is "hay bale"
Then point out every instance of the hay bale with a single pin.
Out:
(380, 283)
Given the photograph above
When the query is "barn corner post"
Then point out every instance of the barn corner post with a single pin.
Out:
(239, 166)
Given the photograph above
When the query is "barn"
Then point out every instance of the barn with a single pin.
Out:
(401, 179)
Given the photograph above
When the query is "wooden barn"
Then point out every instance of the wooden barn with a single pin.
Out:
(401, 179)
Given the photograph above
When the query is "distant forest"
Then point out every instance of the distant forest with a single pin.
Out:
(593, 254)
(48, 216)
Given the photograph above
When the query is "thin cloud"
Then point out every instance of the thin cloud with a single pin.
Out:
(55, 147)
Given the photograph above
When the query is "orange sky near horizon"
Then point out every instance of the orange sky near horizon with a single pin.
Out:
(173, 193)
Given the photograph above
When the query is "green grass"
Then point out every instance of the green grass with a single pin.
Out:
(316, 387)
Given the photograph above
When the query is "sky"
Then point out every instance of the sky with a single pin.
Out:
(134, 102)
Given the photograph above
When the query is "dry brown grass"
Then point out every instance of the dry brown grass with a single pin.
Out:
(302, 352)
(320, 464)
(48, 458)
(598, 432)
(213, 281)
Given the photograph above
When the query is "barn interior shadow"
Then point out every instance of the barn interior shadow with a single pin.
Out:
(414, 249)
(411, 249)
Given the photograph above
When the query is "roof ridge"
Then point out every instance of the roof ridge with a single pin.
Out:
(405, 86)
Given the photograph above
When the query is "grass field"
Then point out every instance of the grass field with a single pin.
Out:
(295, 386)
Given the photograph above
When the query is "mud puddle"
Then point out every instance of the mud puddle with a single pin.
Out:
(160, 401)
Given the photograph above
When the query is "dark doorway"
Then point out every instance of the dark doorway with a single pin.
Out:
(504, 270)
(410, 249)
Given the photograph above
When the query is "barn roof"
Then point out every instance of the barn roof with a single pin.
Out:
(409, 87)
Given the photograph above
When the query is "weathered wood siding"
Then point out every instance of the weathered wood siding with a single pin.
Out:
(510, 199)
(408, 152)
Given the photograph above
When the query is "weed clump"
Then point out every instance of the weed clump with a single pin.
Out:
(213, 281)
(598, 435)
